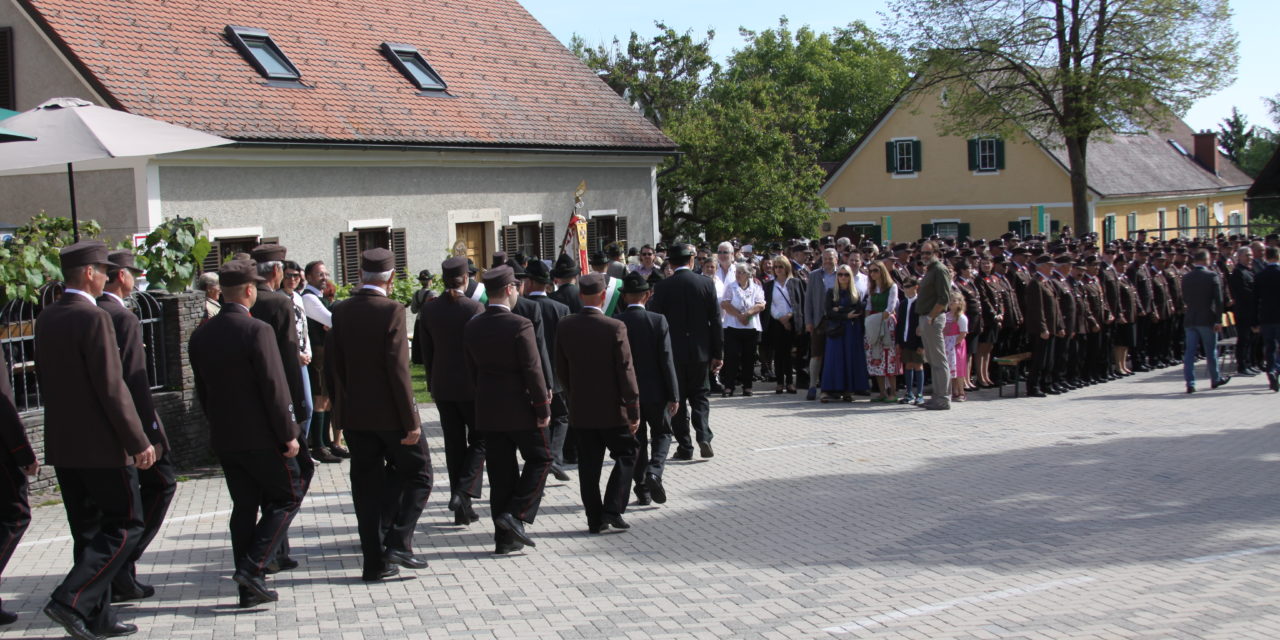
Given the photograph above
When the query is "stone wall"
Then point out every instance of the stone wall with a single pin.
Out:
(177, 405)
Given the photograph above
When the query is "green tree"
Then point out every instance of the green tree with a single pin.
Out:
(1234, 134)
(29, 259)
(1067, 71)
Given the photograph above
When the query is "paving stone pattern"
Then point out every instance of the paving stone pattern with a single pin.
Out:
(1128, 510)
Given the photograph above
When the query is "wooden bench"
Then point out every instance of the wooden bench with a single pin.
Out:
(1013, 361)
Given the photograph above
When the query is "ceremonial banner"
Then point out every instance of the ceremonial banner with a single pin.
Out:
(580, 225)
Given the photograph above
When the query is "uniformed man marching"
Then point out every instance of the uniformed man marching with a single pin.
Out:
(241, 385)
(372, 393)
(512, 409)
(93, 439)
(158, 483)
(17, 461)
(650, 341)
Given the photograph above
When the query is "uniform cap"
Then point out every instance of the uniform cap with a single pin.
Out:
(1044, 259)
(237, 272)
(635, 283)
(539, 272)
(123, 259)
(681, 251)
(498, 277)
(377, 261)
(591, 284)
(454, 267)
(499, 258)
(83, 253)
(268, 253)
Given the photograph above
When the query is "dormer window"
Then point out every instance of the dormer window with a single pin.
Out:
(261, 51)
(406, 58)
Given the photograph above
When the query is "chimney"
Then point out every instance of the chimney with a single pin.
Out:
(1207, 150)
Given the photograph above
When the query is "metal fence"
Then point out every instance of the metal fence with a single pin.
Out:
(17, 340)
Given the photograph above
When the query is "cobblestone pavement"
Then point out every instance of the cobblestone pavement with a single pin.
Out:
(1128, 510)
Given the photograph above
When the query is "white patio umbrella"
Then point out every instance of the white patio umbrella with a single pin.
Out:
(69, 130)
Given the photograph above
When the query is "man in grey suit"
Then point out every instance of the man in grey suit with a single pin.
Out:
(820, 281)
(1202, 294)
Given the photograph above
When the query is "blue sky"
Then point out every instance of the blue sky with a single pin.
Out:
(1255, 22)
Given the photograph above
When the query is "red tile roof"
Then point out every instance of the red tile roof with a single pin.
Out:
(513, 84)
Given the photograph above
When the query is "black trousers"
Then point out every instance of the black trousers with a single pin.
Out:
(15, 510)
(512, 489)
(592, 444)
(1095, 355)
(390, 484)
(307, 471)
(260, 479)
(1040, 364)
(156, 486)
(463, 447)
(558, 431)
(1141, 351)
(653, 443)
(739, 358)
(1245, 345)
(782, 342)
(691, 378)
(104, 511)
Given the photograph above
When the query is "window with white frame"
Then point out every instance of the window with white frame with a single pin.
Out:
(905, 157)
(946, 229)
(987, 154)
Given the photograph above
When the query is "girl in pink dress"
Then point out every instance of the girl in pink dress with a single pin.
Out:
(957, 353)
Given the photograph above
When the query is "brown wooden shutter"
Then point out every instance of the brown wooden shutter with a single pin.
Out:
(547, 250)
(620, 232)
(213, 259)
(401, 250)
(349, 257)
(510, 240)
(593, 239)
(7, 98)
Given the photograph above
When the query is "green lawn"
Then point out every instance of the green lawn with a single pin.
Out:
(420, 393)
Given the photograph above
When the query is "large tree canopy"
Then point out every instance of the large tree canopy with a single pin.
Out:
(1067, 71)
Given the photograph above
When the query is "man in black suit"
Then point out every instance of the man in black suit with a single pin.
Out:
(1245, 309)
(1266, 288)
(157, 484)
(1203, 294)
(593, 359)
(529, 310)
(94, 441)
(17, 461)
(512, 409)
(276, 309)
(535, 290)
(565, 274)
(650, 341)
(689, 303)
(243, 391)
(367, 354)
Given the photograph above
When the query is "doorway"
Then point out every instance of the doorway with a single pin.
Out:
(475, 237)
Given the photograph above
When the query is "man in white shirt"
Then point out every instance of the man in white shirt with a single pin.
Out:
(319, 321)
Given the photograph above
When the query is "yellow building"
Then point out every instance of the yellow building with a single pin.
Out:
(904, 181)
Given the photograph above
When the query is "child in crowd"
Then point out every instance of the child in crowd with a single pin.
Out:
(956, 329)
(910, 345)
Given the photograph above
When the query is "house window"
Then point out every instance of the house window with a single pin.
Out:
(411, 63)
(986, 155)
(1161, 222)
(1202, 220)
(902, 157)
(1109, 228)
(352, 243)
(223, 248)
(603, 231)
(948, 229)
(261, 51)
(536, 240)
(1237, 224)
(7, 99)
(1131, 223)
(1184, 218)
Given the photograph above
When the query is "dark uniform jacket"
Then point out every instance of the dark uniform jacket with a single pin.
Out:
(1040, 311)
(1240, 283)
(240, 382)
(133, 359)
(595, 370)
(1110, 288)
(529, 310)
(1127, 312)
(1066, 303)
(650, 341)
(972, 304)
(13, 434)
(440, 326)
(502, 362)
(367, 365)
(567, 295)
(89, 418)
(689, 302)
(1160, 300)
(1173, 276)
(1140, 277)
(1096, 299)
(1205, 300)
(276, 309)
(1266, 288)
(551, 311)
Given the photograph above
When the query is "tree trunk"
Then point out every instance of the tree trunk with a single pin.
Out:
(1077, 149)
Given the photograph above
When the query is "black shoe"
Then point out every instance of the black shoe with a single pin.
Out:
(1036, 394)
(472, 515)
(654, 485)
(255, 585)
(559, 473)
(1219, 383)
(643, 498)
(615, 520)
(1191, 388)
(7, 617)
(503, 548)
(747, 393)
(456, 501)
(281, 563)
(70, 620)
(323, 454)
(1053, 391)
(139, 592)
(597, 528)
(704, 448)
(1273, 381)
(461, 517)
(377, 575)
(727, 392)
(508, 523)
(248, 599)
(340, 451)
(404, 559)
(682, 455)
(119, 629)
(1246, 373)
(1142, 368)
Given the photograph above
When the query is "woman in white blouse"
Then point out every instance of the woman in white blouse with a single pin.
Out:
(784, 310)
(741, 302)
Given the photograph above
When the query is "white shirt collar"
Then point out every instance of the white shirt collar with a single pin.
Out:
(591, 307)
(83, 293)
(684, 268)
(536, 293)
(494, 304)
(118, 298)
(374, 288)
(635, 304)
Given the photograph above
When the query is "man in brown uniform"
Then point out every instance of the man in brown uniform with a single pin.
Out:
(593, 360)
(242, 389)
(94, 441)
(1043, 325)
(17, 461)
(512, 409)
(440, 324)
(157, 484)
(372, 393)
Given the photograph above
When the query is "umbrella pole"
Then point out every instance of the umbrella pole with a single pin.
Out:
(75, 220)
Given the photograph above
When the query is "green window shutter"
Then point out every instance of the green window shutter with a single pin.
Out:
(1000, 155)
(963, 230)
(1015, 226)
(926, 230)
(973, 154)
(875, 233)
(890, 157)
(1053, 226)
(917, 161)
